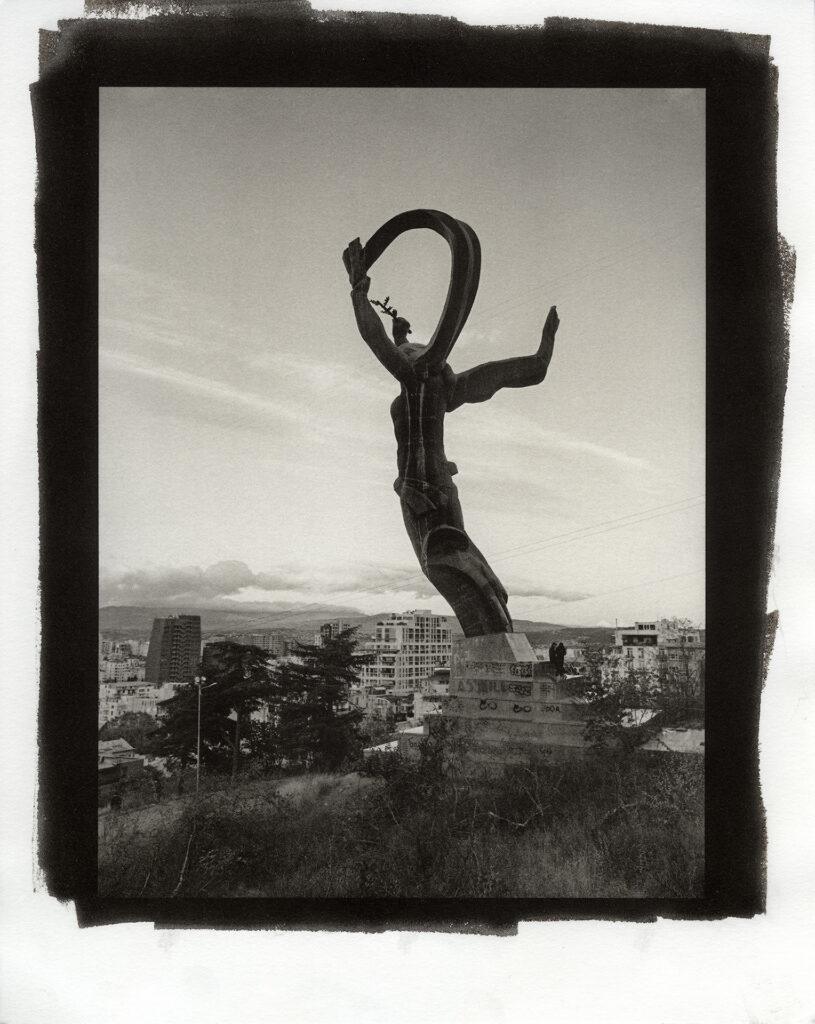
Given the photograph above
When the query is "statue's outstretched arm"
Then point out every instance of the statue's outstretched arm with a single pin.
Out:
(370, 326)
(481, 383)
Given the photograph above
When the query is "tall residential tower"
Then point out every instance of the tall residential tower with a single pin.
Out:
(175, 650)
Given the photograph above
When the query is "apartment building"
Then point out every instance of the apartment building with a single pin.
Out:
(665, 643)
(121, 670)
(175, 650)
(271, 640)
(117, 699)
(407, 649)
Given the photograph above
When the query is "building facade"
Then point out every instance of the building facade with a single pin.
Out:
(330, 630)
(659, 645)
(271, 640)
(121, 670)
(117, 699)
(174, 653)
(407, 649)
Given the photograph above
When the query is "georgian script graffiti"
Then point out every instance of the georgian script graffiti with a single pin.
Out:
(488, 705)
(525, 669)
(522, 668)
(493, 686)
(520, 689)
(526, 708)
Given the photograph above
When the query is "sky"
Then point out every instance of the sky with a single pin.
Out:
(246, 447)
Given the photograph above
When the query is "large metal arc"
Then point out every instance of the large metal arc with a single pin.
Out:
(464, 274)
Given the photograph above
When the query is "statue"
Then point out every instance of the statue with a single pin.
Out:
(429, 389)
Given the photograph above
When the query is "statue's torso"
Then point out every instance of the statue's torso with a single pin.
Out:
(418, 422)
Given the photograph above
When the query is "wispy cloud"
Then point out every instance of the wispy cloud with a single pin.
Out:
(518, 436)
(229, 579)
(206, 387)
(189, 583)
(324, 375)
(154, 329)
(535, 590)
(195, 586)
(491, 336)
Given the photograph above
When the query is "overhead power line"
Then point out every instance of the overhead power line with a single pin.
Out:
(586, 532)
(632, 586)
(599, 262)
(583, 533)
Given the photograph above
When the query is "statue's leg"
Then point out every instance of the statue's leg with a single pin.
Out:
(456, 518)
(459, 571)
(456, 567)
(468, 585)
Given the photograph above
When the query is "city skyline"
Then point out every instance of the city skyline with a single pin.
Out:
(246, 450)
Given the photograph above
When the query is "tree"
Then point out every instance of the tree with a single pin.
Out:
(681, 693)
(137, 727)
(611, 692)
(238, 681)
(315, 723)
(615, 687)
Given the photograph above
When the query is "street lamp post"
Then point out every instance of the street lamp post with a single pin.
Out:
(199, 682)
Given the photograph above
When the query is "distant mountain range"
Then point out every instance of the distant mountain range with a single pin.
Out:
(133, 621)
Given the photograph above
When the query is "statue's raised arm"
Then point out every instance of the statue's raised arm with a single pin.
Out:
(481, 382)
(370, 326)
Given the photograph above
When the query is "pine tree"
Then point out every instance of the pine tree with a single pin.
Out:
(238, 681)
(316, 724)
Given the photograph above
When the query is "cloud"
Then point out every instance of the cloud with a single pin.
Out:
(519, 438)
(148, 328)
(189, 584)
(229, 579)
(490, 336)
(205, 387)
(197, 586)
(535, 590)
(372, 578)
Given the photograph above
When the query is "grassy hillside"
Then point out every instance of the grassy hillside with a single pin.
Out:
(606, 827)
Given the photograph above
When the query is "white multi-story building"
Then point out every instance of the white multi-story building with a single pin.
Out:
(116, 699)
(271, 640)
(330, 631)
(108, 703)
(407, 649)
(666, 643)
(121, 670)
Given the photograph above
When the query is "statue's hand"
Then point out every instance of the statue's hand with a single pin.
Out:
(354, 261)
(552, 322)
(548, 336)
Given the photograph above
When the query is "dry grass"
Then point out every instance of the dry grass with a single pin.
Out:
(610, 828)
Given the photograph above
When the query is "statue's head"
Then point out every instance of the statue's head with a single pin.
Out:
(401, 329)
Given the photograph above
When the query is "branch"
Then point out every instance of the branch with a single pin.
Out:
(184, 865)
(390, 811)
(621, 809)
(515, 824)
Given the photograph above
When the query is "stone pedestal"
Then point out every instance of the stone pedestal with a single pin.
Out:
(508, 704)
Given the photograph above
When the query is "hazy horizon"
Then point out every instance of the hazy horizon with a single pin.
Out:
(246, 448)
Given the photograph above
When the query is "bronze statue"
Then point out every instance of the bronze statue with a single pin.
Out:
(429, 389)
